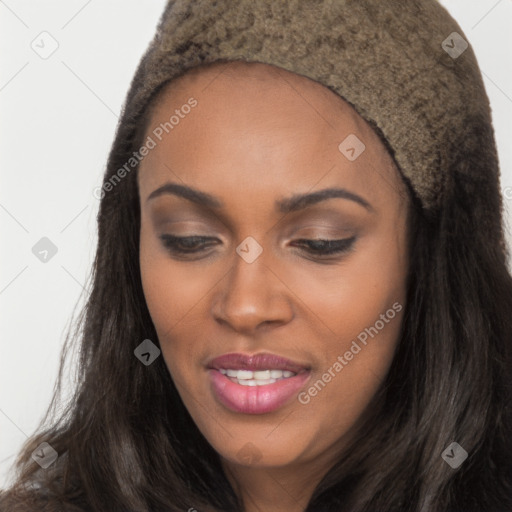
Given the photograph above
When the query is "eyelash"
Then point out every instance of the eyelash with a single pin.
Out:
(327, 247)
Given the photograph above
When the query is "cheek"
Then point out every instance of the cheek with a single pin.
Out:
(171, 289)
(338, 395)
(362, 303)
(348, 297)
(176, 295)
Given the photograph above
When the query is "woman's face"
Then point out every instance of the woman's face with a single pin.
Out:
(276, 347)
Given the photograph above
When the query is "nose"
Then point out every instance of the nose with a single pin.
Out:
(252, 295)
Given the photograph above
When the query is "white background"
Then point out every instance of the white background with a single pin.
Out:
(58, 118)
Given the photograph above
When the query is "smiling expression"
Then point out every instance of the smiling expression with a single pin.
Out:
(254, 178)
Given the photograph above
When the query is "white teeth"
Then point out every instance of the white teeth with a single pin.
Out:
(256, 378)
(245, 374)
(262, 375)
(248, 382)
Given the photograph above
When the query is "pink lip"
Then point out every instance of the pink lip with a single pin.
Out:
(255, 399)
(255, 362)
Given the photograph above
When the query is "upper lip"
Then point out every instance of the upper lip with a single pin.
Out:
(264, 361)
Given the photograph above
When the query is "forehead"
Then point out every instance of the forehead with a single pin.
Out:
(261, 128)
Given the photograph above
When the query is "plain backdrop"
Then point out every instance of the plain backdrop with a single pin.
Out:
(58, 118)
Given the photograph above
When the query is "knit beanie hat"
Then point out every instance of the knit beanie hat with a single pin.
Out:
(405, 66)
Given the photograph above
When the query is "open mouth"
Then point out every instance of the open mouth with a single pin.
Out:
(255, 384)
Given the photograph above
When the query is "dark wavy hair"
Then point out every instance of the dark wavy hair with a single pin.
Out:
(126, 442)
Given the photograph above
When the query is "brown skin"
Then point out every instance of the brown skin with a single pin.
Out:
(259, 134)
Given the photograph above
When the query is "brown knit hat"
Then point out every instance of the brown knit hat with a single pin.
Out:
(405, 66)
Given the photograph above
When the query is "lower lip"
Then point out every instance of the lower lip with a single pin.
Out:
(255, 399)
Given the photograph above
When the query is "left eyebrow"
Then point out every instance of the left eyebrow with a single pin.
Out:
(301, 201)
(287, 205)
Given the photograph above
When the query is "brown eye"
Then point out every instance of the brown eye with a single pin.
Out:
(186, 244)
(324, 247)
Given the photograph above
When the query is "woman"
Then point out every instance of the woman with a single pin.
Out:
(300, 294)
